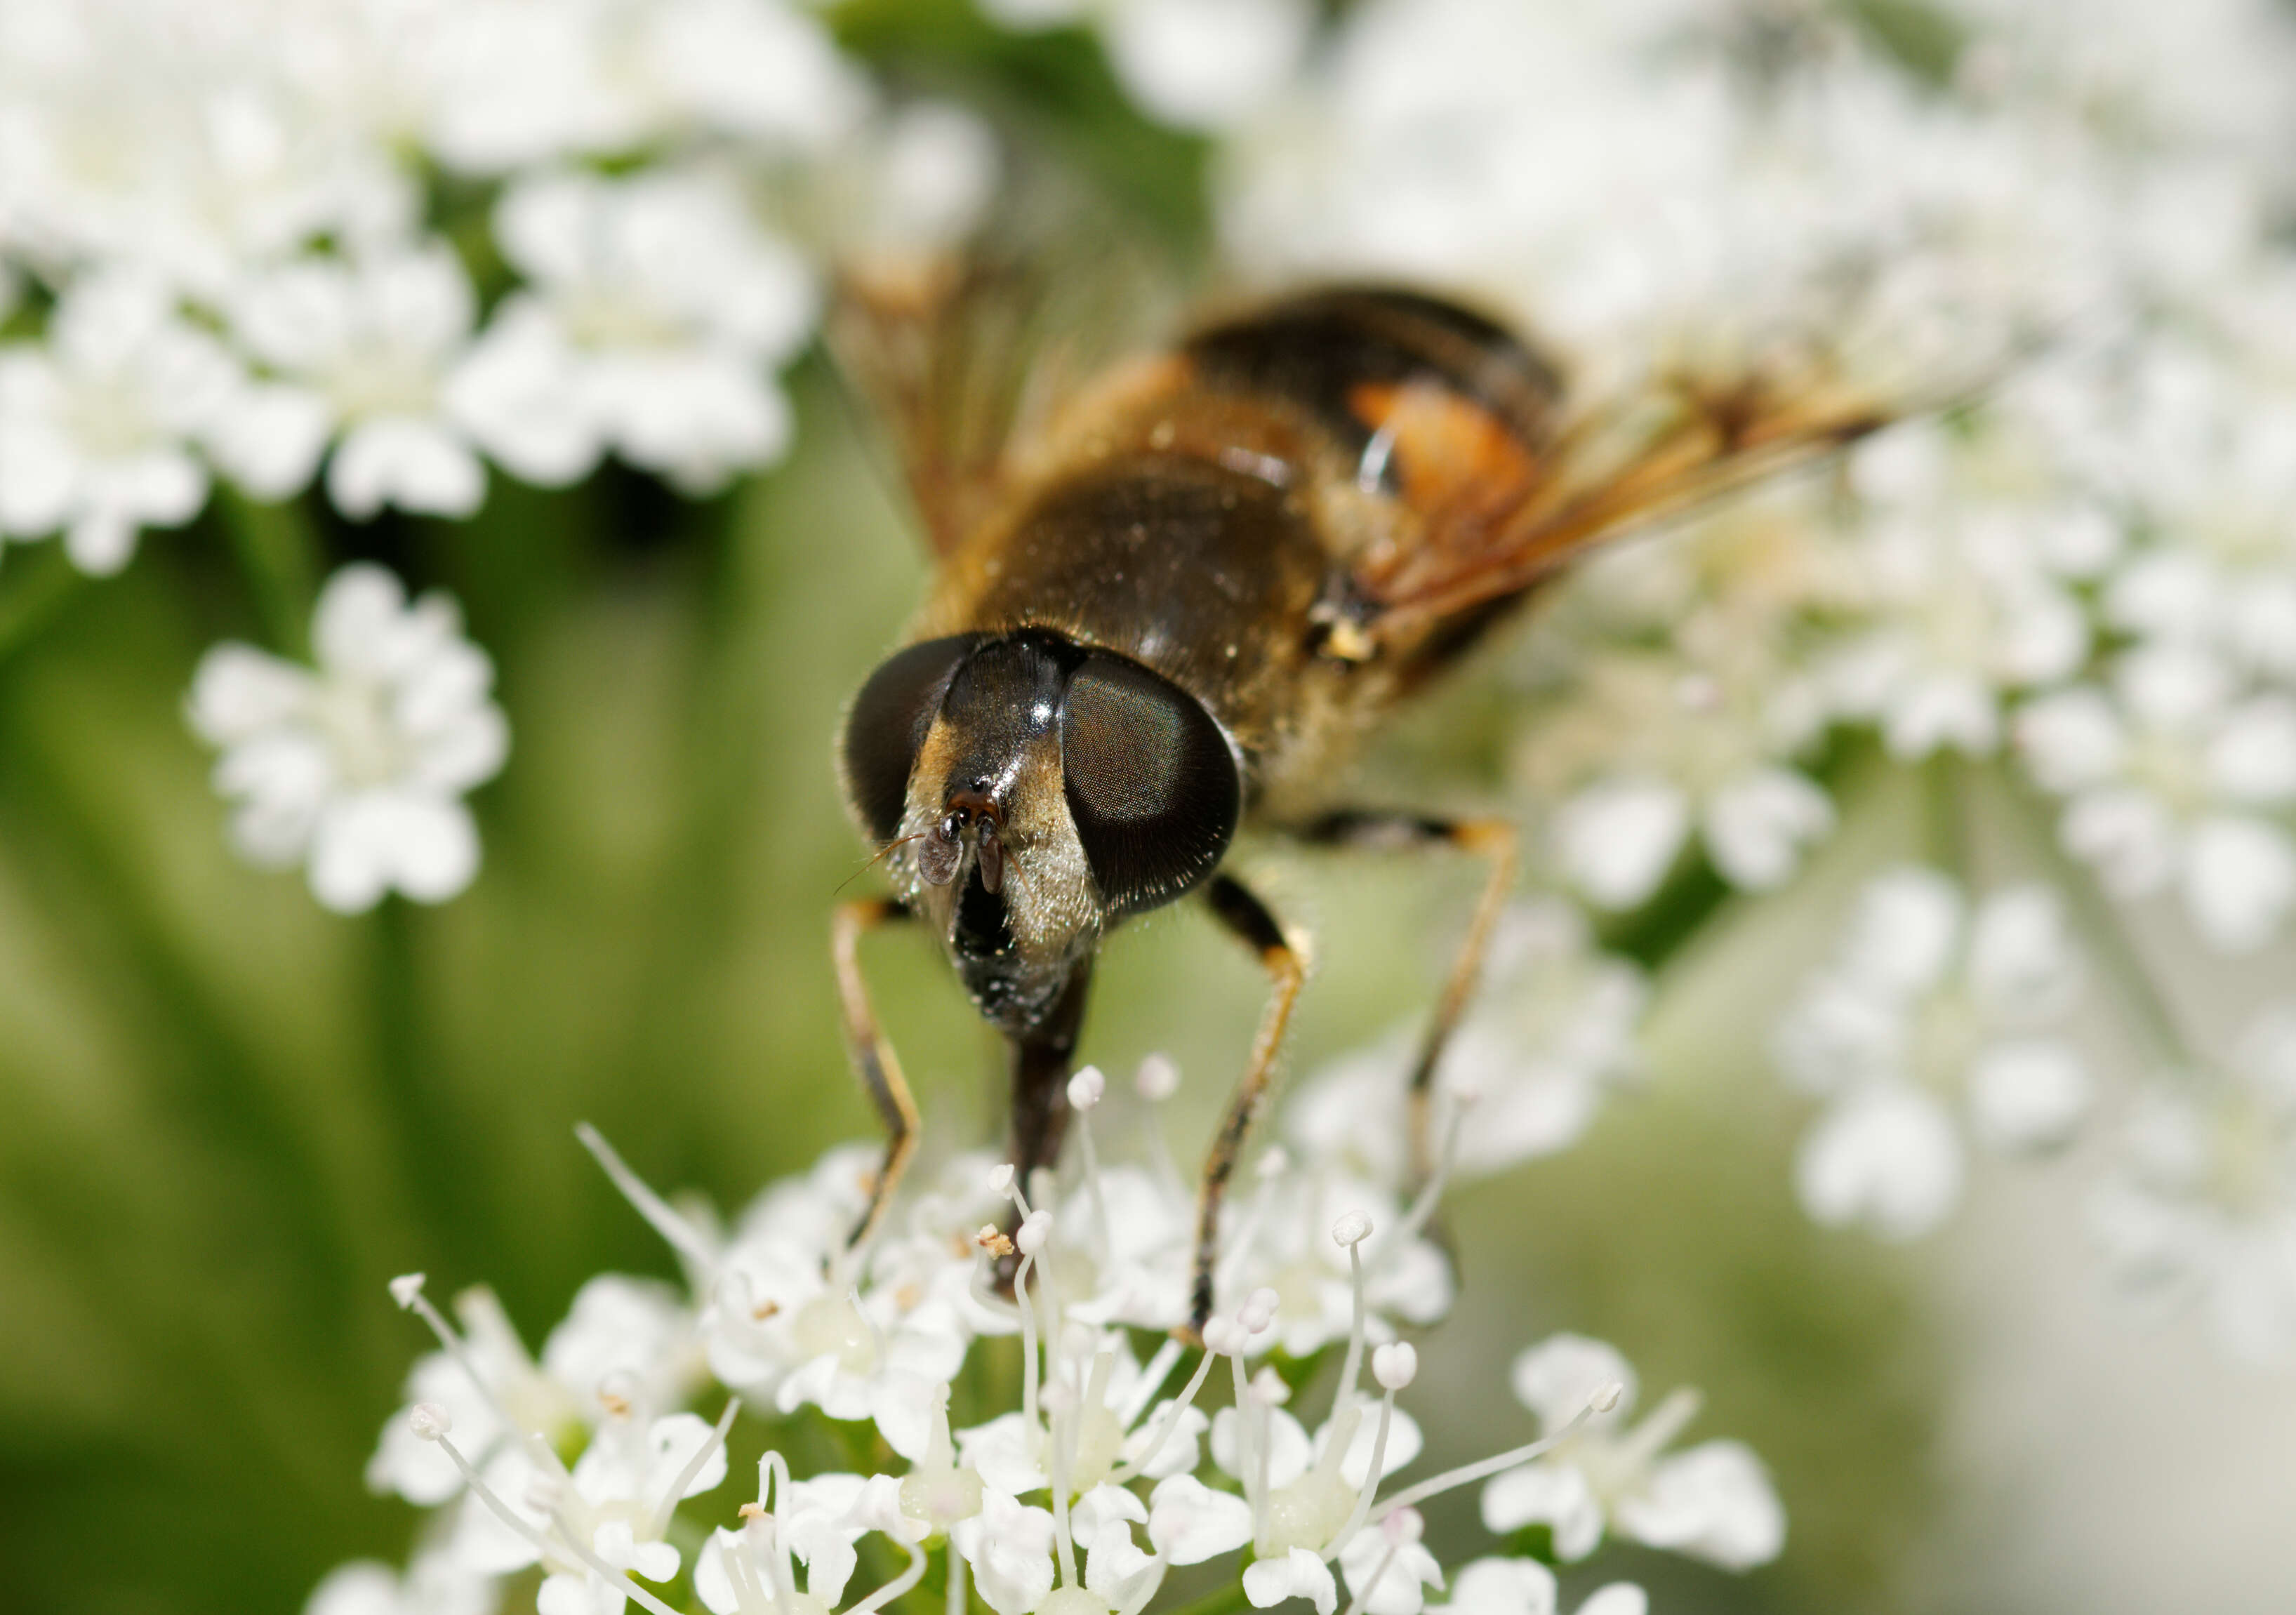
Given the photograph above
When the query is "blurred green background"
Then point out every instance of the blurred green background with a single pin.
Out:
(231, 1116)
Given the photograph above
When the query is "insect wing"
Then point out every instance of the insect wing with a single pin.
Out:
(1494, 516)
(964, 355)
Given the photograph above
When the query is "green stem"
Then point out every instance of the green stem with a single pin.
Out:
(2101, 921)
(278, 555)
(32, 591)
(1944, 822)
(424, 1130)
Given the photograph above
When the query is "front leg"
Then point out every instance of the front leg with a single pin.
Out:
(1286, 966)
(873, 1057)
(1493, 840)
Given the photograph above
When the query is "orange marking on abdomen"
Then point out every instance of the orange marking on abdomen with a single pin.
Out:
(1447, 452)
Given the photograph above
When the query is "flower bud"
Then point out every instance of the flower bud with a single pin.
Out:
(1158, 1078)
(1087, 1088)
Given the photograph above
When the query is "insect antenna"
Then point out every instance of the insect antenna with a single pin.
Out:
(880, 856)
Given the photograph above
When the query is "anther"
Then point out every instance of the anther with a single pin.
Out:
(1351, 1230)
(1158, 1078)
(406, 1289)
(431, 1420)
(1395, 1364)
(1087, 1088)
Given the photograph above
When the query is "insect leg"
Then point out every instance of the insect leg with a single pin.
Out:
(1286, 966)
(873, 1057)
(1495, 840)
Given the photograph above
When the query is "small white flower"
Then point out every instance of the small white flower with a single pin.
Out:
(365, 350)
(433, 1584)
(97, 424)
(1551, 1032)
(655, 311)
(2177, 779)
(1931, 1003)
(358, 765)
(1524, 1587)
(1712, 1501)
(2201, 1212)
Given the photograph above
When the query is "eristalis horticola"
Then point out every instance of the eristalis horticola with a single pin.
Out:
(1177, 605)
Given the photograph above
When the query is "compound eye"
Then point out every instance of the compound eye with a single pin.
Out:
(1150, 782)
(887, 725)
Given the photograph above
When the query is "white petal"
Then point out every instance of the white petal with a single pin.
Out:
(1713, 1501)
(1756, 830)
(1502, 1586)
(417, 465)
(1885, 1157)
(1557, 1378)
(2240, 881)
(1616, 1598)
(1204, 63)
(2023, 965)
(2252, 758)
(1617, 839)
(239, 691)
(1299, 1574)
(268, 440)
(2028, 1096)
(1906, 927)
(2072, 740)
(1189, 1522)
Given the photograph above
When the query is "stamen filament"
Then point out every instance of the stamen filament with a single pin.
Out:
(660, 1518)
(1169, 1421)
(1151, 1381)
(456, 1347)
(1356, 1515)
(1468, 1473)
(681, 1235)
(1355, 1605)
(1352, 1365)
(898, 1586)
(541, 1539)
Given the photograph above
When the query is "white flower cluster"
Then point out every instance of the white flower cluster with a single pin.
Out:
(2097, 562)
(1093, 1473)
(241, 221)
(358, 767)
(1933, 1004)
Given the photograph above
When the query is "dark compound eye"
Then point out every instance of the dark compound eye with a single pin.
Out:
(1150, 780)
(887, 724)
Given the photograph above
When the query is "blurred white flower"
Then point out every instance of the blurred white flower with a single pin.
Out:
(364, 351)
(2201, 1210)
(655, 313)
(1963, 607)
(1524, 1587)
(97, 422)
(1931, 1003)
(1198, 64)
(1711, 1502)
(358, 767)
(1551, 1028)
(1650, 749)
(433, 1584)
(2176, 778)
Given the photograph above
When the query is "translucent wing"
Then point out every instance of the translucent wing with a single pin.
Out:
(1490, 515)
(962, 356)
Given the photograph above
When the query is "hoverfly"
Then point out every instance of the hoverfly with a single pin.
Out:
(1176, 608)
